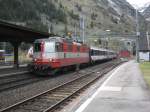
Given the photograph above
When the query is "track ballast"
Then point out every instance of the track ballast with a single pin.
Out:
(53, 98)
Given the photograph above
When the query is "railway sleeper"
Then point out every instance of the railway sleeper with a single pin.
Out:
(74, 88)
(58, 95)
(42, 105)
(53, 98)
(45, 104)
(23, 110)
(28, 108)
(62, 93)
(66, 90)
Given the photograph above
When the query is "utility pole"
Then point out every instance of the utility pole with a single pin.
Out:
(148, 43)
(138, 36)
(49, 28)
(75, 32)
(82, 27)
(108, 38)
(147, 40)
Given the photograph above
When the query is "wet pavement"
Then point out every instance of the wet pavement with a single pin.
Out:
(124, 91)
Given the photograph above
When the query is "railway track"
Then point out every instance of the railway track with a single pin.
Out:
(53, 98)
(17, 80)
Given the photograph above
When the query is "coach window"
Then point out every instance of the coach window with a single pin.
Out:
(99, 53)
(91, 52)
(95, 52)
(103, 52)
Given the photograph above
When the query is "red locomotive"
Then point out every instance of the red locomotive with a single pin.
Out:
(56, 52)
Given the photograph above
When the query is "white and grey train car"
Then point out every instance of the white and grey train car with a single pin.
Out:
(98, 54)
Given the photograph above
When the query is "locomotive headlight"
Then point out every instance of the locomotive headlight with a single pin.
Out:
(50, 59)
(35, 59)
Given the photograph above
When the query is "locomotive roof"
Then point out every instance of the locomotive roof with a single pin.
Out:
(59, 39)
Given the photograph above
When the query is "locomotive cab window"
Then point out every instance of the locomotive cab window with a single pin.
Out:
(37, 47)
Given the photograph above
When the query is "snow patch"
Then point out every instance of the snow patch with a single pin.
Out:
(148, 19)
(115, 7)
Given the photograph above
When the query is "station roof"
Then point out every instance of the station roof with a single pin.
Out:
(14, 33)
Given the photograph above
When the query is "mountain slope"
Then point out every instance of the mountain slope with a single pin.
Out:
(62, 16)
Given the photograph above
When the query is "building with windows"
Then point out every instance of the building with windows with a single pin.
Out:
(144, 51)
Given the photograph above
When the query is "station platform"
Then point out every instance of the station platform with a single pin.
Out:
(124, 91)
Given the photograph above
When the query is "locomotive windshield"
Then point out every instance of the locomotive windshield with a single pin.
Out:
(49, 47)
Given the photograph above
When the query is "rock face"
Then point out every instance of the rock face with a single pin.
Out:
(146, 14)
(62, 16)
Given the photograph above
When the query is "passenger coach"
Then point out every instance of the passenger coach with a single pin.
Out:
(98, 54)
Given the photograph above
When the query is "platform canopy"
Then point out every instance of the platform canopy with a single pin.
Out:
(14, 33)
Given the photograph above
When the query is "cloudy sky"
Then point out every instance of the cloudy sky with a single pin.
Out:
(139, 3)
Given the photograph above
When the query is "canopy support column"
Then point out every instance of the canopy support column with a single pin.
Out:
(16, 54)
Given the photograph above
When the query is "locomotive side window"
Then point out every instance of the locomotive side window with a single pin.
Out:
(49, 47)
(70, 47)
(74, 48)
(78, 48)
(37, 47)
(65, 47)
(59, 47)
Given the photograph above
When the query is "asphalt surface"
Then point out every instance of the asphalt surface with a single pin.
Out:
(124, 91)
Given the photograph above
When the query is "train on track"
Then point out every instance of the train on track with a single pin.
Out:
(56, 53)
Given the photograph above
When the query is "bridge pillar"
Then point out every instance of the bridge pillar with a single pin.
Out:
(16, 55)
